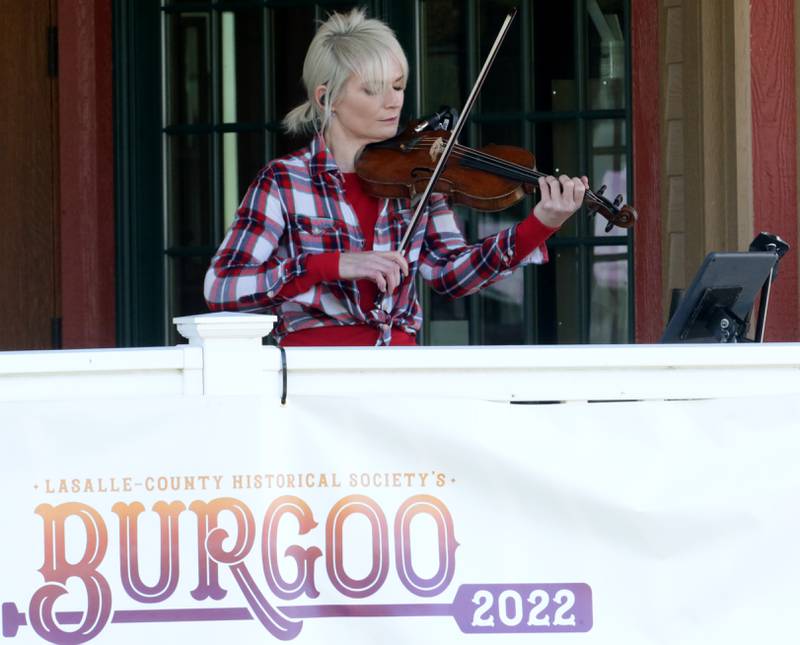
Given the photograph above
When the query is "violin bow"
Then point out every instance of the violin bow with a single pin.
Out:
(459, 125)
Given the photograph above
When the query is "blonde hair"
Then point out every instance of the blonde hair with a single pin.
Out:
(345, 44)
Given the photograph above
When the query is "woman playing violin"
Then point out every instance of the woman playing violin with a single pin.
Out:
(310, 245)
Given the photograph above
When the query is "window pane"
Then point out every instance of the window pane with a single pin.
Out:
(607, 65)
(448, 318)
(503, 90)
(608, 318)
(507, 133)
(444, 67)
(329, 6)
(242, 158)
(502, 311)
(554, 56)
(449, 321)
(188, 62)
(241, 55)
(608, 164)
(557, 153)
(502, 303)
(292, 31)
(189, 190)
(185, 275)
(558, 310)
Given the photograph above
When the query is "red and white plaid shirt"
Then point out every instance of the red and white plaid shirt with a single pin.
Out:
(296, 207)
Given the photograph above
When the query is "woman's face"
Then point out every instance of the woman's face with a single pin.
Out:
(362, 117)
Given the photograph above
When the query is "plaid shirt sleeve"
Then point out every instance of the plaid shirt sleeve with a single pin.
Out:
(247, 272)
(454, 268)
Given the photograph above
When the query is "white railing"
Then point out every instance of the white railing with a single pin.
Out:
(225, 356)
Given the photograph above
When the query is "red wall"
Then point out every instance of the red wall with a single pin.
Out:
(775, 152)
(86, 173)
(646, 171)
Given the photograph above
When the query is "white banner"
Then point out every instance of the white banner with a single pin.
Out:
(342, 520)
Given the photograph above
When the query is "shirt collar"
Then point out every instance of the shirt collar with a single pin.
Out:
(322, 160)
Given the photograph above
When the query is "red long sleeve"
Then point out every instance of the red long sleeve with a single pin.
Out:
(321, 267)
(531, 233)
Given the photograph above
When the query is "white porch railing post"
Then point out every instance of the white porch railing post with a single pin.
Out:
(233, 356)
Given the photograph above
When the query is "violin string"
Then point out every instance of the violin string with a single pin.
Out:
(501, 164)
(490, 161)
(518, 171)
(498, 165)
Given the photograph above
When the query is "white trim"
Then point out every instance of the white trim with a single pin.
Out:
(226, 357)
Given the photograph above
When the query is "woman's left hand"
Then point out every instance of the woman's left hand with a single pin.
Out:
(560, 198)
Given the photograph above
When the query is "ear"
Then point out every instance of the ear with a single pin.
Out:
(320, 95)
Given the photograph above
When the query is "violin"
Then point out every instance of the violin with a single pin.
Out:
(490, 179)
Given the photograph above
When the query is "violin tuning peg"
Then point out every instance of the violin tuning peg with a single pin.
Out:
(609, 226)
(618, 201)
(600, 190)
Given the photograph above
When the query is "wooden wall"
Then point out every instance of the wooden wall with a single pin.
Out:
(87, 173)
(728, 137)
(29, 280)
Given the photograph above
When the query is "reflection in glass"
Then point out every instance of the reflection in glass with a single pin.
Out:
(608, 317)
(607, 65)
(188, 60)
(608, 165)
(189, 189)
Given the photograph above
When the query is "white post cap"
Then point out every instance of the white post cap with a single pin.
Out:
(234, 361)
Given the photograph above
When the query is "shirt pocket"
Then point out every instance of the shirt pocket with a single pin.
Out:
(319, 235)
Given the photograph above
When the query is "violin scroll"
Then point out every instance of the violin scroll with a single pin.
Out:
(615, 214)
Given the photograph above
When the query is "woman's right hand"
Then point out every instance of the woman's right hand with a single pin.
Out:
(382, 267)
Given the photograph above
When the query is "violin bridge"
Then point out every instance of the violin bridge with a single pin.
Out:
(437, 149)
